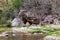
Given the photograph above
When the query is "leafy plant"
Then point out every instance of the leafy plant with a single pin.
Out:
(17, 3)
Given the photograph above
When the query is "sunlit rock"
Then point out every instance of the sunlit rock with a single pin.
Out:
(54, 26)
(17, 22)
(3, 34)
(22, 29)
(51, 38)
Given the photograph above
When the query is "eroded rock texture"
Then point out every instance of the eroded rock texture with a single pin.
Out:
(40, 12)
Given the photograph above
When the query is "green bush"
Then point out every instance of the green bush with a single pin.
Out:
(8, 24)
(17, 3)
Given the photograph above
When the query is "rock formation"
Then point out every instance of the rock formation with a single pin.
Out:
(40, 12)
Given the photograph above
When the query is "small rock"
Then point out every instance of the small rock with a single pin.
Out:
(14, 34)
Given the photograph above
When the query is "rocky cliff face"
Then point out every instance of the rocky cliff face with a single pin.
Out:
(54, 3)
(46, 11)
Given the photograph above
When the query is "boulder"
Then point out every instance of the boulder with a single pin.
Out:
(17, 22)
(51, 38)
